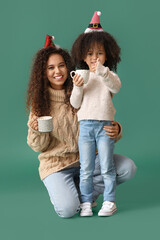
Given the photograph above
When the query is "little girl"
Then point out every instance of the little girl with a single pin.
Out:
(97, 51)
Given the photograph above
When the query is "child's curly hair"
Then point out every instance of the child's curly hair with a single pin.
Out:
(37, 93)
(86, 40)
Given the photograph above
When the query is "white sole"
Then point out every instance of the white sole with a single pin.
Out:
(86, 214)
(107, 214)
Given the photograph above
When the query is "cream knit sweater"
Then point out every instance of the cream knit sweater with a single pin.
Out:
(95, 98)
(59, 149)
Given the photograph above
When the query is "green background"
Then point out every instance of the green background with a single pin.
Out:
(25, 209)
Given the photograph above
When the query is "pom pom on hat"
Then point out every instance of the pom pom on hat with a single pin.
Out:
(99, 13)
(95, 23)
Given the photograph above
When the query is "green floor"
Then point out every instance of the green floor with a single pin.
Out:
(26, 212)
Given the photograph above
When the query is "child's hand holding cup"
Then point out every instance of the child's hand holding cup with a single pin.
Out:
(83, 73)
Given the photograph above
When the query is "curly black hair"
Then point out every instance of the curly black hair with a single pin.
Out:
(37, 93)
(86, 40)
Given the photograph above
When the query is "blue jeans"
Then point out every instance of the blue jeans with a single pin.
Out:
(91, 137)
(63, 186)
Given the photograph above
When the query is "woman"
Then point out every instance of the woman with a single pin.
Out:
(49, 91)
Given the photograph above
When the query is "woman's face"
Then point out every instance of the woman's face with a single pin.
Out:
(56, 71)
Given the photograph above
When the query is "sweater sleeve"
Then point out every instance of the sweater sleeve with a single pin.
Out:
(38, 141)
(110, 78)
(76, 97)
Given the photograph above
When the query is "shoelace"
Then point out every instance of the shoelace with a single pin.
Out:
(108, 204)
(85, 206)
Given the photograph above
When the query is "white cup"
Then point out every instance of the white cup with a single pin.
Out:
(45, 124)
(84, 73)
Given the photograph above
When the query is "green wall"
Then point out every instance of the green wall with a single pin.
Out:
(24, 25)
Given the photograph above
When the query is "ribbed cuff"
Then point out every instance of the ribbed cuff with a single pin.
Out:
(33, 130)
(78, 89)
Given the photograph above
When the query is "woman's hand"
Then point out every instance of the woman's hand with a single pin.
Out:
(78, 80)
(112, 131)
(33, 123)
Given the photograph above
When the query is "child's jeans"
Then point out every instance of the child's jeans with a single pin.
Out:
(91, 137)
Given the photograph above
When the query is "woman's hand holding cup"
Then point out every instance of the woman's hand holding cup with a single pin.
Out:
(42, 124)
(33, 123)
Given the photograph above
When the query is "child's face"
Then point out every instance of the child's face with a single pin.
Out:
(96, 51)
(56, 71)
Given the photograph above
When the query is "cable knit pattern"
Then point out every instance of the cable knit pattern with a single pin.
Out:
(95, 98)
(59, 149)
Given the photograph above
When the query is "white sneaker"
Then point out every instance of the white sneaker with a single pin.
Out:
(86, 210)
(108, 209)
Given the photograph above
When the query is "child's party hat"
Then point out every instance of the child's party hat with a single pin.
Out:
(95, 23)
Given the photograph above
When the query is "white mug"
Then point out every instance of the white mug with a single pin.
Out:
(45, 124)
(84, 73)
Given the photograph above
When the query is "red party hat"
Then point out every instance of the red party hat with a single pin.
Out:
(49, 41)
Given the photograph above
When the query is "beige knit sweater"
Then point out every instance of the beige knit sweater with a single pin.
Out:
(58, 149)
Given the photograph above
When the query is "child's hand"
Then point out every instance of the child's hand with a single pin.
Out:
(101, 70)
(78, 80)
(94, 67)
(33, 123)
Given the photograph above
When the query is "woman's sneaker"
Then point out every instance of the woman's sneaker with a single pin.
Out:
(86, 209)
(108, 209)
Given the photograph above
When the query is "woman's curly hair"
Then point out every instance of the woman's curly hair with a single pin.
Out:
(37, 93)
(86, 40)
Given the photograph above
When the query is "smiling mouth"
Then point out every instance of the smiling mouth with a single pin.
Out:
(58, 77)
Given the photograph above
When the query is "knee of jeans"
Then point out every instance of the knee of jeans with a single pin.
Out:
(108, 171)
(68, 210)
(85, 175)
(131, 169)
